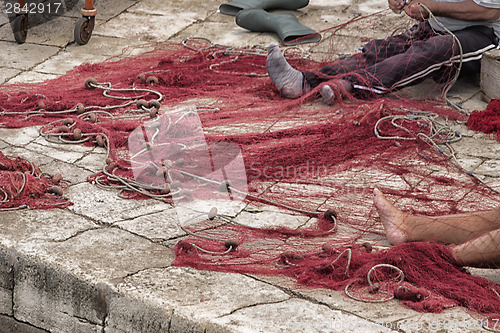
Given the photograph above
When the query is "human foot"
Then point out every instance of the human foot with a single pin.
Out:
(392, 218)
(333, 91)
(289, 81)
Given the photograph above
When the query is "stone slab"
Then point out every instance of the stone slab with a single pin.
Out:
(295, 315)
(24, 56)
(216, 294)
(106, 207)
(11, 325)
(31, 77)
(7, 73)
(65, 61)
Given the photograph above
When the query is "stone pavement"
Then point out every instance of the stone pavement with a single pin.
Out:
(103, 264)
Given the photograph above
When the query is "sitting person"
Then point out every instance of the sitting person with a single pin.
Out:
(474, 237)
(426, 50)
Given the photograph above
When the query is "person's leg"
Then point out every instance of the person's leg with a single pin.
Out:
(292, 83)
(483, 251)
(289, 81)
(426, 58)
(401, 227)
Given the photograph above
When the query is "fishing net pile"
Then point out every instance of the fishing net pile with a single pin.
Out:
(197, 121)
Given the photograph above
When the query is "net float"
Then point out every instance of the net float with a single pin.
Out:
(68, 121)
(141, 77)
(231, 244)
(55, 190)
(77, 134)
(367, 246)
(63, 129)
(40, 105)
(212, 213)
(141, 103)
(330, 214)
(327, 247)
(80, 108)
(90, 83)
(92, 117)
(100, 140)
(151, 80)
(154, 103)
(374, 288)
(57, 178)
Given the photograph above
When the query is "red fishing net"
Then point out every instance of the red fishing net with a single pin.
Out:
(23, 185)
(300, 155)
(488, 120)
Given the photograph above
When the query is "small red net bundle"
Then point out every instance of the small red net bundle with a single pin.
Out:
(300, 155)
(23, 185)
(488, 120)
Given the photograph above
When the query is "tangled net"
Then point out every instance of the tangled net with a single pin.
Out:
(299, 155)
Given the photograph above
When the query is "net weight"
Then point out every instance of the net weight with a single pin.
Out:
(33, 8)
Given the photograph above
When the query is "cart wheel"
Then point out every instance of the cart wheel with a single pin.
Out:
(20, 25)
(83, 30)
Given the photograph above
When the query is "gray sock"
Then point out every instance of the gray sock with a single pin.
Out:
(289, 81)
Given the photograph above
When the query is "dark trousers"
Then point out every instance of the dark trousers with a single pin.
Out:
(386, 65)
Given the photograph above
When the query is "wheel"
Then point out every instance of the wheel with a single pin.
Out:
(20, 25)
(83, 30)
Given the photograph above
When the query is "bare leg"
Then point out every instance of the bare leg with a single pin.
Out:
(458, 228)
(483, 251)
(289, 81)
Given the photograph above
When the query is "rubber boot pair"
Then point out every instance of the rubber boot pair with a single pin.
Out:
(252, 15)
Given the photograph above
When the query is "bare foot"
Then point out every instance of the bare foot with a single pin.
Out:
(289, 81)
(392, 218)
(333, 91)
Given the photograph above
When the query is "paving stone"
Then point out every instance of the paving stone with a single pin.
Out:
(478, 147)
(489, 168)
(15, 55)
(11, 325)
(157, 226)
(105, 206)
(31, 77)
(295, 315)
(40, 226)
(54, 152)
(151, 28)
(128, 314)
(6, 301)
(65, 61)
(105, 46)
(196, 9)
(7, 73)
(93, 162)
(216, 294)
(19, 136)
(269, 217)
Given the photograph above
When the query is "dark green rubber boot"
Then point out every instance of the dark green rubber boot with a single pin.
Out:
(232, 8)
(286, 25)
